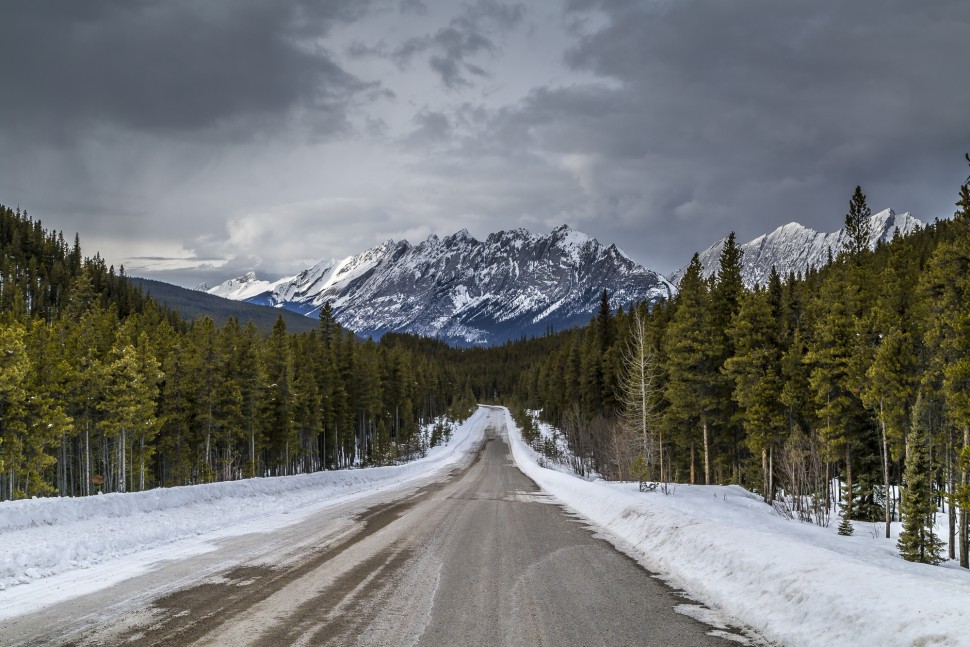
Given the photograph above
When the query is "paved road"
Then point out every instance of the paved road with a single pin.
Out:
(482, 558)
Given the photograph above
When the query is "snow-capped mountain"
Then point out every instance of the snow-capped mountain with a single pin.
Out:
(463, 290)
(794, 248)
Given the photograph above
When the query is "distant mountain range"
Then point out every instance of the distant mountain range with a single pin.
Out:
(462, 290)
(192, 304)
(794, 248)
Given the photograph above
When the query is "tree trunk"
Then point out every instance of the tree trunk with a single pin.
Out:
(692, 464)
(707, 458)
(141, 476)
(764, 474)
(964, 548)
(771, 474)
(885, 469)
(951, 488)
(663, 474)
(828, 486)
(121, 461)
(848, 483)
(87, 457)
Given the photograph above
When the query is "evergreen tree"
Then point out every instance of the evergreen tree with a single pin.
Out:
(757, 373)
(945, 288)
(858, 228)
(691, 367)
(129, 404)
(917, 541)
(726, 298)
(14, 372)
(830, 358)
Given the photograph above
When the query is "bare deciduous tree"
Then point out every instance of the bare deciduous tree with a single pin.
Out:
(639, 386)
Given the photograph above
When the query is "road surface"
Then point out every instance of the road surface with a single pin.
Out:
(480, 558)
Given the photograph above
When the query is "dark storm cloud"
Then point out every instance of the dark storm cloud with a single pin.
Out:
(713, 116)
(451, 49)
(818, 95)
(170, 67)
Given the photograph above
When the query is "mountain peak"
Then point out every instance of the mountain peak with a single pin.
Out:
(796, 248)
(466, 291)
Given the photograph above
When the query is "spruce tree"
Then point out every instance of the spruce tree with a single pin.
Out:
(945, 288)
(857, 225)
(830, 359)
(692, 367)
(757, 374)
(917, 542)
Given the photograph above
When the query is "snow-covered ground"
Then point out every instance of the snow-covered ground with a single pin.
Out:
(795, 583)
(42, 540)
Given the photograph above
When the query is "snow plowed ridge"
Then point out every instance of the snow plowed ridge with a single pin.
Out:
(44, 537)
(795, 583)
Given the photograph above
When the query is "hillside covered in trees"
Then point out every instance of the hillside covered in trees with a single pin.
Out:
(859, 372)
(102, 390)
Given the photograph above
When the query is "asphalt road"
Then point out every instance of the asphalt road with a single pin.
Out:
(481, 558)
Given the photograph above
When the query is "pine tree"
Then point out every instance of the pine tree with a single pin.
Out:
(280, 396)
(830, 358)
(917, 541)
(14, 372)
(945, 288)
(858, 228)
(692, 367)
(757, 374)
(886, 391)
(726, 298)
(129, 404)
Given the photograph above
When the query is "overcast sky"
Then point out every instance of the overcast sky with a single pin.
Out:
(194, 141)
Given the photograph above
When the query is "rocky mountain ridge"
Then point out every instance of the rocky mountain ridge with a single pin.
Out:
(795, 248)
(462, 290)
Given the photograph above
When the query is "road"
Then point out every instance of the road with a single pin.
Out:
(480, 558)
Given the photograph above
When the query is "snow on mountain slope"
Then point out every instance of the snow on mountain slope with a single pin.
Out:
(463, 290)
(794, 248)
(242, 288)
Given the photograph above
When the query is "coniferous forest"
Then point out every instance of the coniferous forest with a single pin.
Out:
(856, 374)
(101, 390)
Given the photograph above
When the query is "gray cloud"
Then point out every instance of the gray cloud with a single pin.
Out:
(416, 7)
(430, 128)
(451, 49)
(171, 67)
(221, 137)
(712, 117)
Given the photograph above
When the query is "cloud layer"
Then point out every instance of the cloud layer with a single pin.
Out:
(193, 141)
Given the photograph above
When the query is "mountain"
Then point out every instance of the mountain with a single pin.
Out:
(192, 304)
(794, 248)
(462, 290)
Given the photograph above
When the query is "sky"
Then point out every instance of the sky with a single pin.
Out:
(196, 141)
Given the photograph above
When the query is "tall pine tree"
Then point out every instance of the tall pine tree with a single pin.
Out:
(917, 541)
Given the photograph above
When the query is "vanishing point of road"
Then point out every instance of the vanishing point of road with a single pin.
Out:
(481, 557)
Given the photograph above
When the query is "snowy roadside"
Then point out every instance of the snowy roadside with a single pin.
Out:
(795, 583)
(41, 538)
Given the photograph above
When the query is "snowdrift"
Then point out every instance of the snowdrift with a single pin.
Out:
(795, 583)
(44, 537)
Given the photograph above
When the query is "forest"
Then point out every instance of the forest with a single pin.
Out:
(102, 390)
(856, 374)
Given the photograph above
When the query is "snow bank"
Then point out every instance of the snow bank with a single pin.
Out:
(45, 537)
(795, 583)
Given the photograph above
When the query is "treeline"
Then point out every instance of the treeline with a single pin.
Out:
(859, 371)
(102, 390)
